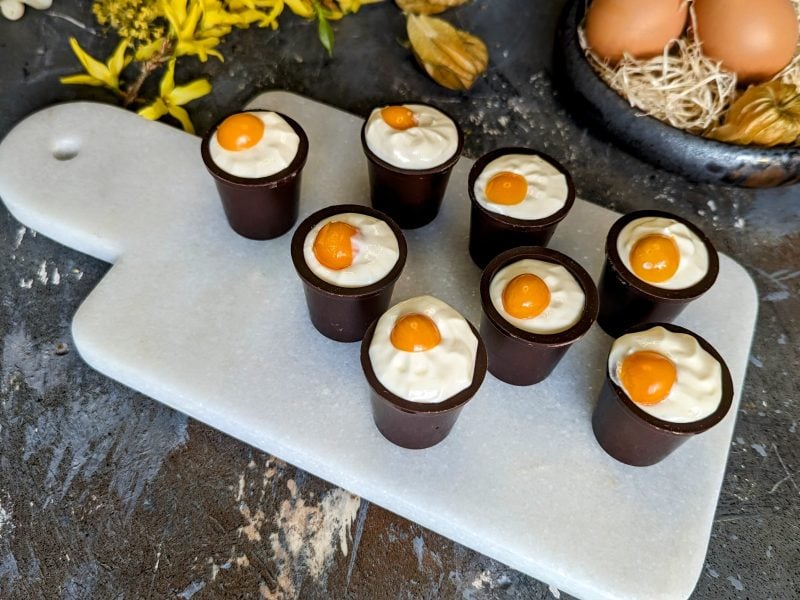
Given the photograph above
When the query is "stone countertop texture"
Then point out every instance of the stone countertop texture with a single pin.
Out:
(105, 493)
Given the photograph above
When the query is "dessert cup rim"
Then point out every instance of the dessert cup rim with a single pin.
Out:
(692, 427)
(653, 292)
(561, 338)
(440, 168)
(271, 181)
(544, 222)
(407, 406)
(310, 278)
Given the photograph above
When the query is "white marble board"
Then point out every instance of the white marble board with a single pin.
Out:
(215, 326)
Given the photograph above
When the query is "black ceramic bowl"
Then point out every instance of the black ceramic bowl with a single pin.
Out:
(692, 156)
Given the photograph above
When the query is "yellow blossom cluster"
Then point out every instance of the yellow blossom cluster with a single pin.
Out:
(136, 20)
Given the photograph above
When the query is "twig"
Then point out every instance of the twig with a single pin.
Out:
(147, 68)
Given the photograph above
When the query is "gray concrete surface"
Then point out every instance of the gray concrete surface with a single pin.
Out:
(106, 494)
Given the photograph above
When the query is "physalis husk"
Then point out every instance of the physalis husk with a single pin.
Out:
(765, 115)
(453, 58)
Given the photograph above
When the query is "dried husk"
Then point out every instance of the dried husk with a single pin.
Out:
(453, 58)
(427, 7)
(765, 115)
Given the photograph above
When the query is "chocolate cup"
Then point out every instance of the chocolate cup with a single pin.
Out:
(491, 233)
(260, 208)
(521, 357)
(626, 300)
(417, 425)
(412, 197)
(636, 438)
(341, 313)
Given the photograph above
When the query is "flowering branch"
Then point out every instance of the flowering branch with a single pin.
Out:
(155, 33)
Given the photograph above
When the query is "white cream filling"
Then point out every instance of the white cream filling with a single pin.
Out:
(433, 141)
(547, 187)
(375, 252)
(566, 296)
(693, 264)
(272, 153)
(431, 376)
(697, 390)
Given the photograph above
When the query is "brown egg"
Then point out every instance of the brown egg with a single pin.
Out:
(754, 39)
(639, 27)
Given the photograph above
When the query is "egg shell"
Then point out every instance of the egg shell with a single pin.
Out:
(641, 28)
(755, 40)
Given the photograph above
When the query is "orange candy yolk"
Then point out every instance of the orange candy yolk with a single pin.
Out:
(647, 376)
(415, 333)
(333, 245)
(526, 296)
(507, 188)
(655, 258)
(240, 131)
(399, 117)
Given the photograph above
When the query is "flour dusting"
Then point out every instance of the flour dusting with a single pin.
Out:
(19, 237)
(255, 521)
(42, 273)
(240, 492)
(483, 579)
(309, 535)
(191, 589)
(419, 550)
(5, 521)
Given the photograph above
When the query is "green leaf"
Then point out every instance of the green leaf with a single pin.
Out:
(324, 30)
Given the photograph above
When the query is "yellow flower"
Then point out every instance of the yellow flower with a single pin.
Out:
(352, 6)
(147, 51)
(172, 98)
(184, 17)
(133, 19)
(241, 13)
(97, 73)
(302, 8)
(329, 10)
